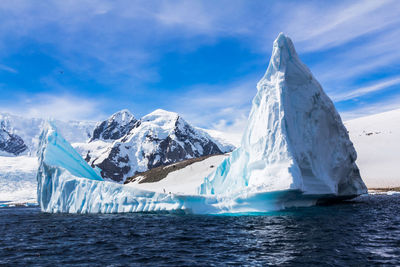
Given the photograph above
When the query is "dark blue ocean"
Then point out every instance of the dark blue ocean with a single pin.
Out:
(358, 233)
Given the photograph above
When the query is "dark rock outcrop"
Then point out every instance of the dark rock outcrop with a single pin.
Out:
(11, 143)
(117, 126)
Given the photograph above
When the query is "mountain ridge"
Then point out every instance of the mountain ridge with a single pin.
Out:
(158, 138)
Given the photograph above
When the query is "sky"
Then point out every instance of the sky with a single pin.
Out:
(84, 60)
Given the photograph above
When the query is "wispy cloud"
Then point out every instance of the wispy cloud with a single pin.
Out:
(369, 56)
(326, 25)
(372, 108)
(7, 68)
(378, 86)
(216, 106)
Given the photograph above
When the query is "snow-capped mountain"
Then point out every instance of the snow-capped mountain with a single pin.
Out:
(25, 131)
(117, 126)
(158, 138)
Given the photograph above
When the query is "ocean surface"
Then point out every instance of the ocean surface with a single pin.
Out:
(358, 233)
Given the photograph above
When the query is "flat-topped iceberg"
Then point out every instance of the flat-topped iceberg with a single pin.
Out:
(66, 183)
(295, 151)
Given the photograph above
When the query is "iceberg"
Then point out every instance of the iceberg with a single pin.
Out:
(295, 152)
(294, 139)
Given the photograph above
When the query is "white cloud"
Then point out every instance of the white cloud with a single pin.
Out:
(373, 55)
(7, 68)
(378, 86)
(233, 131)
(206, 105)
(370, 109)
(63, 107)
(331, 24)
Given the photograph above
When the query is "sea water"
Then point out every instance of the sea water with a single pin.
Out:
(361, 232)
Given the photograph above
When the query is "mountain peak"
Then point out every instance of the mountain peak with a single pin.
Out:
(159, 138)
(116, 126)
(162, 112)
(123, 115)
(161, 115)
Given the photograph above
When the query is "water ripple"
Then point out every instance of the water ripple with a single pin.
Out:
(359, 233)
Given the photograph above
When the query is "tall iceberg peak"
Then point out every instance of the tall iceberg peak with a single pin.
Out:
(294, 138)
(283, 51)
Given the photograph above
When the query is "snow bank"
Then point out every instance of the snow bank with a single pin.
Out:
(18, 179)
(377, 141)
(184, 181)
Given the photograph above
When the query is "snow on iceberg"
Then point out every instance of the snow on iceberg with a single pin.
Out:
(294, 139)
(295, 152)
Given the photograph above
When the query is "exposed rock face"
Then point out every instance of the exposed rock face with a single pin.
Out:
(159, 138)
(11, 143)
(117, 126)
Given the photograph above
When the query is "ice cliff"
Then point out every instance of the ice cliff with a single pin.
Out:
(294, 139)
(295, 151)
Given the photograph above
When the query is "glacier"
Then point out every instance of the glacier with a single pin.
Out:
(295, 151)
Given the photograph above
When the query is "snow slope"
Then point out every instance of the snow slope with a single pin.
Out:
(186, 180)
(224, 140)
(18, 179)
(377, 142)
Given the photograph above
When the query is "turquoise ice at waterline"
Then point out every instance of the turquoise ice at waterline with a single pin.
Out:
(295, 151)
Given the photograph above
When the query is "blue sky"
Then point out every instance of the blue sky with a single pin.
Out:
(202, 59)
